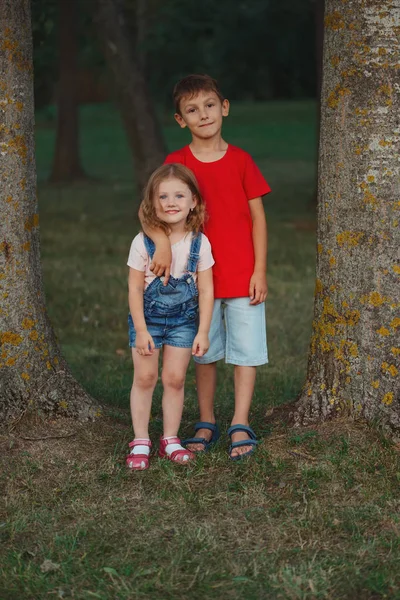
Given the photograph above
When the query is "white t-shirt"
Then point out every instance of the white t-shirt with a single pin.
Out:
(139, 259)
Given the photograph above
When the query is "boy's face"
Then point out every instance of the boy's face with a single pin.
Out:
(202, 114)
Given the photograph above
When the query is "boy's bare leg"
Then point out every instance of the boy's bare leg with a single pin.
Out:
(206, 381)
(245, 378)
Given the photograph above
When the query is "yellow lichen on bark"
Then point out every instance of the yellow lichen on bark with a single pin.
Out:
(8, 337)
(349, 238)
(388, 398)
(334, 20)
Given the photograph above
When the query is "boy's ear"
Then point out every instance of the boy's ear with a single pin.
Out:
(179, 119)
(225, 108)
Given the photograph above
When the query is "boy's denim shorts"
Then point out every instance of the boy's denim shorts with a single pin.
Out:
(170, 331)
(237, 333)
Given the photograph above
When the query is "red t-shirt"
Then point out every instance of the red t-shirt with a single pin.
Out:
(227, 185)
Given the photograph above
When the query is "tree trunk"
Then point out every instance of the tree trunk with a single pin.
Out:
(354, 355)
(33, 374)
(136, 106)
(67, 165)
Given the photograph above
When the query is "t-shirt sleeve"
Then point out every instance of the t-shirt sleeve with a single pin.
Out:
(175, 157)
(138, 256)
(206, 259)
(253, 180)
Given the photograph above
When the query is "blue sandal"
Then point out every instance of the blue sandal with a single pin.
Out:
(197, 440)
(252, 441)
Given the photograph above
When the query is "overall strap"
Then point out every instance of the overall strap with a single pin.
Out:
(194, 253)
(149, 245)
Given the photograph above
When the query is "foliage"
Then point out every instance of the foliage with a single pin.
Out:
(257, 49)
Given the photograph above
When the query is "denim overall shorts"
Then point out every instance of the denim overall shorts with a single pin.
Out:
(171, 311)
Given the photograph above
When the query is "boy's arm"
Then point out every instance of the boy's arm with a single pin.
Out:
(161, 263)
(144, 341)
(206, 303)
(258, 289)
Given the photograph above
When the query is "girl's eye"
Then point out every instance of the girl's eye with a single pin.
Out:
(163, 196)
(179, 195)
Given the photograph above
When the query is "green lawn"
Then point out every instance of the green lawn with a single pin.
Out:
(314, 515)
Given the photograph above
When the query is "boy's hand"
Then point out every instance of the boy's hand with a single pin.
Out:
(162, 258)
(258, 289)
(144, 343)
(201, 344)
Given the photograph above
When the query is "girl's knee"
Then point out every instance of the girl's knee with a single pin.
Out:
(145, 380)
(172, 380)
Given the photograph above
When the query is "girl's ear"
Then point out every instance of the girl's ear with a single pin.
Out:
(195, 201)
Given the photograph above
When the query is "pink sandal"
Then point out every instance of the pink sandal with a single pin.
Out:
(178, 456)
(138, 462)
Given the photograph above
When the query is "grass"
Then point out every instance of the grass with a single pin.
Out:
(315, 514)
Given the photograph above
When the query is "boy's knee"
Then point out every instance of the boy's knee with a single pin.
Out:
(172, 380)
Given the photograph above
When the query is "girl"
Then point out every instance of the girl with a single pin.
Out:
(175, 316)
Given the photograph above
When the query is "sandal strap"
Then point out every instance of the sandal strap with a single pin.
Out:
(139, 442)
(195, 440)
(244, 428)
(242, 443)
(139, 456)
(205, 425)
(171, 440)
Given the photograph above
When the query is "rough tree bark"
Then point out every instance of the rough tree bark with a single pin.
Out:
(354, 355)
(135, 103)
(67, 165)
(33, 374)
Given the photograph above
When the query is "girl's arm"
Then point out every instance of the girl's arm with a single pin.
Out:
(206, 303)
(162, 259)
(144, 341)
(258, 289)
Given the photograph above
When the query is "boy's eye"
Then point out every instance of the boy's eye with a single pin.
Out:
(191, 110)
(210, 105)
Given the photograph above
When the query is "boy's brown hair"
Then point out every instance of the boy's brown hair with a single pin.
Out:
(195, 218)
(193, 84)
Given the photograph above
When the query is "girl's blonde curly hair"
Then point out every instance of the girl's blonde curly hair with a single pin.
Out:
(195, 218)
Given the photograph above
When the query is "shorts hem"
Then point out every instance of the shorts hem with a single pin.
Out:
(247, 363)
(207, 360)
(178, 345)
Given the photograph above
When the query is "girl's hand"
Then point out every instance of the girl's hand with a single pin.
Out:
(144, 343)
(162, 258)
(258, 289)
(201, 344)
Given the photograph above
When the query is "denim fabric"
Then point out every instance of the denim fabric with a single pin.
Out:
(171, 311)
(237, 333)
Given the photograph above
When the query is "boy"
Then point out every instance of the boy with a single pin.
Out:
(232, 187)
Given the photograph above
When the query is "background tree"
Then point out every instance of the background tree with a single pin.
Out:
(67, 164)
(33, 374)
(135, 103)
(354, 354)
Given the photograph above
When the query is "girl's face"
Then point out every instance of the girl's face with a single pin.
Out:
(173, 202)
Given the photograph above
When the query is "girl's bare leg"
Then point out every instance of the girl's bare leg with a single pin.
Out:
(175, 364)
(144, 381)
